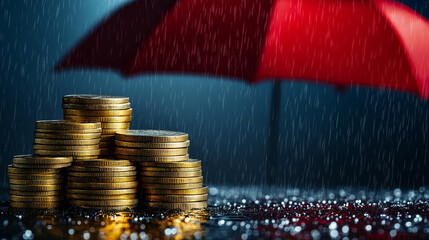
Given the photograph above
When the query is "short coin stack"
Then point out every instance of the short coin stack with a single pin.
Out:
(114, 114)
(103, 184)
(168, 178)
(37, 182)
(66, 138)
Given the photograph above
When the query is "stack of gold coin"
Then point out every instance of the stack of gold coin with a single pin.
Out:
(173, 185)
(152, 145)
(114, 114)
(37, 182)
(168, 178)
(67, 138)
(103, 184)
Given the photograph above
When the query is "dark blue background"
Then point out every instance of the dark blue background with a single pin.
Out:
(364, 137)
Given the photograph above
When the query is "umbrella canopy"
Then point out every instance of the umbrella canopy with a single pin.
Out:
(377, 43)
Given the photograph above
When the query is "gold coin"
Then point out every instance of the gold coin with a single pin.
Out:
(103, 174)
(151, 136)
(42, 166)
(108, 138)
(69, 142)
(172, 186)
(101, 197)
(176, 198)
(114, 208)
(152, 145)
(34, 176)
(69, 136)
(183, 206)
(171, 174)
(83, 158)
(192, 191)
(35, 182)
(121, 106)
(166, 170)
(96, 185)
(98, 113)
(15, 198)
(103, 179)
(102, 192)
(14, 170)
(67, 152)
(37, 205)
(159, 159)
(111, 131)
(122, 125)
(104, 203)
(31, 159)
(67, 132)
(171, 180)
(151, 152)
(103, 163)
(40, 193)
(118, 119)
(94, 99)
(35, 188)
(63, 125)
(65, 147)
(102, 169)
(191, 163)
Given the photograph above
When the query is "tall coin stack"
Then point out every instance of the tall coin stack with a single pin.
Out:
(37, 182)
(168, 178)
(114, 114)
(66, 138)
(103, 184)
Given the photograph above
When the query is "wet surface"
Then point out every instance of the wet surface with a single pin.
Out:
(241, 213)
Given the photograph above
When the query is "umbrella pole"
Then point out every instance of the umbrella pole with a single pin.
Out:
(273, 141)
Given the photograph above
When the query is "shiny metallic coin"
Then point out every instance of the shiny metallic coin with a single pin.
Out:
(171, 186)
(36, 182)
(103, 163)
(67, 152)
(35, 177)
(68, 136)
(73, 142)
(102, 179)
(68, 132)
(101, 169)
(167, 170)
(36, 205)
(111, 131)
(102, 197)
(172, 174)
(158, 159)
(183, 206)
(16, 198)
(63, 125)
(42, 166)
(97, 185)
(115, 119)
(94, 99)
(192, 191)
(191, 163)
(152, 145)
(32, 159)
(176, 198)
(103, 174)
(123, 125)
(121, 106)
(151, 136)
(102, 192)
(157, 180)
(98, 113)
(39, 193)
(65, 147)
(102, 203)
(151, 152)
(14, 170)
(35, 188)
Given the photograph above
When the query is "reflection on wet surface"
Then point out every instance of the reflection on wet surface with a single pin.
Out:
(241, 213)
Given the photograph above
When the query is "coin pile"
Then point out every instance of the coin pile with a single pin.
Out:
(103, 184)
(168, 178)
(66, 138)
(114, 114)
(37, 182)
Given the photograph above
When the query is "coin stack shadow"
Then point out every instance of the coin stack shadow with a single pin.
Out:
(168, 179)
(37, 182)
(65, 138)
(114, 114)
(103, 184)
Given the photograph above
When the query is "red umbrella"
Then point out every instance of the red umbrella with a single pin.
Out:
(377, 43)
